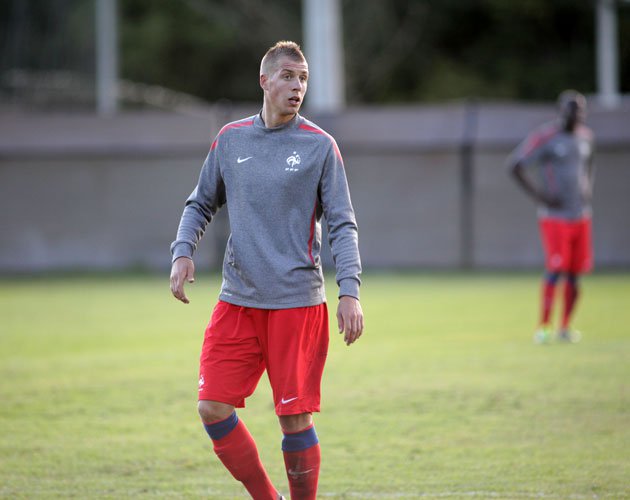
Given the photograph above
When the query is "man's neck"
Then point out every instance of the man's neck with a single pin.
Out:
(568, 128)
(272, 120)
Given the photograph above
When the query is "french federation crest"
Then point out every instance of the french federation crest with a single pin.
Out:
(292, 161)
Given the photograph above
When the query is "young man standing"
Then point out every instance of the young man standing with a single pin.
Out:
(278, 174)
(563, 151)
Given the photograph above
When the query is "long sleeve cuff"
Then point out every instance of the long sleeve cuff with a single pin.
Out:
(349, 286)
(181, 249)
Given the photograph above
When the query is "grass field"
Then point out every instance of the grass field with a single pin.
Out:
(445, 396)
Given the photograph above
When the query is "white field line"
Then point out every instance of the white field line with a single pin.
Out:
(469, 494)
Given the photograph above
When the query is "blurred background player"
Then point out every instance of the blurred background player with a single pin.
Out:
(563, 152)
(278, 174)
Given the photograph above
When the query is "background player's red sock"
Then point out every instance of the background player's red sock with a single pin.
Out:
(236, 448)
(571, 293)
(302, 458)
(547, 295)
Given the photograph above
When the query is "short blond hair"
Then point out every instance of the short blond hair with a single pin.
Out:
(283, 48)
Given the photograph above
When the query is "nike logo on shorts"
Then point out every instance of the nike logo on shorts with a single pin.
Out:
(285, 401)
(241, 160)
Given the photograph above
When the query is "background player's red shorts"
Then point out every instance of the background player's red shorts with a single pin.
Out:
(241, 342)
(567, 245)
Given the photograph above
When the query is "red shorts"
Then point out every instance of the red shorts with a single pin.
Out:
(567, 245)
(241, 342)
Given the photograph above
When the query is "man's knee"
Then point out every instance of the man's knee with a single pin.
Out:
(295, 423)
(213, 411)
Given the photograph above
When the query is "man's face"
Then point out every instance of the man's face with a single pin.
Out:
(285, 86)
(573, 113)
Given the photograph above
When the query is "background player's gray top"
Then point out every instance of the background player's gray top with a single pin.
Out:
(564, 166)
(277, 183)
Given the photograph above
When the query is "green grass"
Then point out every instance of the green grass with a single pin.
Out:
(445, 396)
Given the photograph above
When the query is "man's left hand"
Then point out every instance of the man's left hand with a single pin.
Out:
(350, 318)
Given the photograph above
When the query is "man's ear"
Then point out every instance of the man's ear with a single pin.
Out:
(263, 82)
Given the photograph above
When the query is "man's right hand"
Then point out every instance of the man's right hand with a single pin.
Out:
(183, 270)
(550, 200)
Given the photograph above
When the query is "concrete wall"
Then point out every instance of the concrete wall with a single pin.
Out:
(506, 233)
(79, 192)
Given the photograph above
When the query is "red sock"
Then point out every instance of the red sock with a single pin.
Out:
(237, 450)
(303, 472)
(570, 298)
(302, 457)
(548, 292)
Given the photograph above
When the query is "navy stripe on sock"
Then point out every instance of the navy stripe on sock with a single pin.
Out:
(221, 428)
(551, 277)
(300, 440)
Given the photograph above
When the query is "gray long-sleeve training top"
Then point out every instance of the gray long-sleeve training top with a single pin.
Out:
(277, 183)
(565, 163)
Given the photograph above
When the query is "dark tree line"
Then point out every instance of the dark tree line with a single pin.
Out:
(395, 50)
